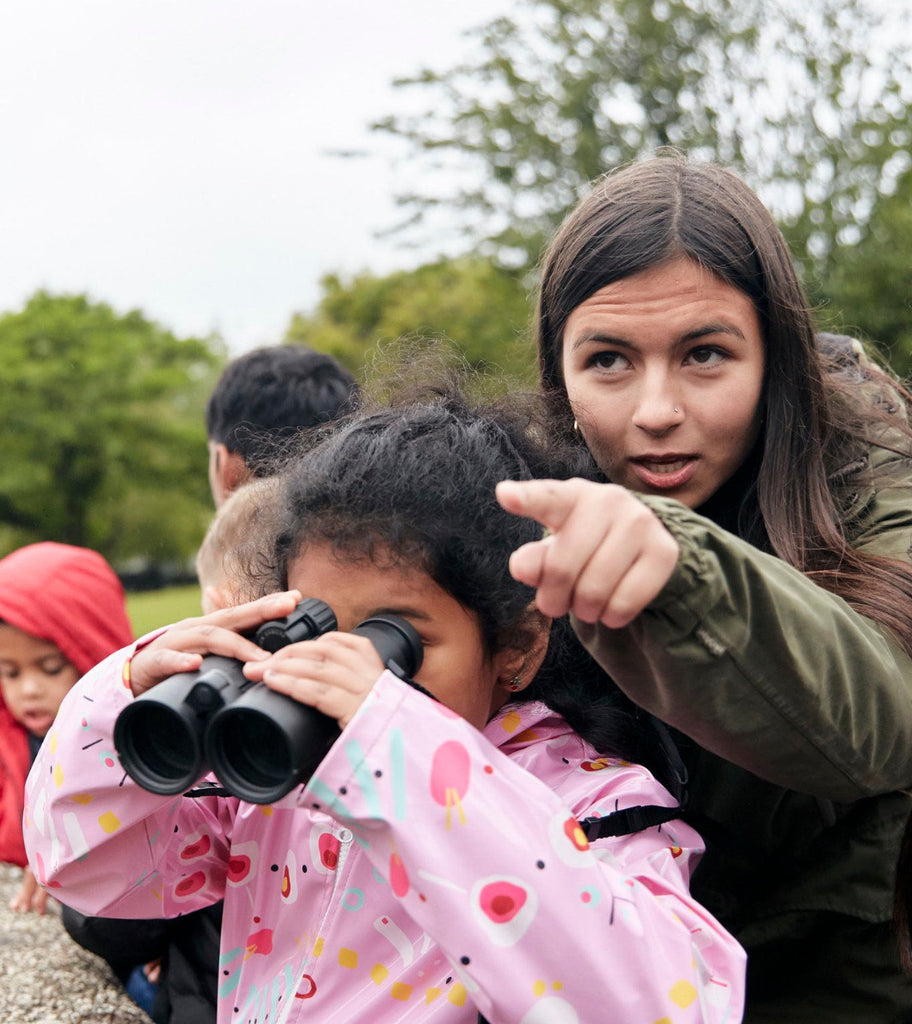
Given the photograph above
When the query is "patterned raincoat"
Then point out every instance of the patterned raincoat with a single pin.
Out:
(427, 872)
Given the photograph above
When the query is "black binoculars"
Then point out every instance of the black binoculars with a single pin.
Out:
(259, 743)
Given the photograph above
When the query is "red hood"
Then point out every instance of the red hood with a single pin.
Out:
(67, 595)
(71, 597)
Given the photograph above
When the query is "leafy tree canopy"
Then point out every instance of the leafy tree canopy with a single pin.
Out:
(480, 307)
(810, 102)
(867, 290)
(103, 433)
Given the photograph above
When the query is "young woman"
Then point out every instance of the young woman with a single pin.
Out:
(745, 575)
(434, 867)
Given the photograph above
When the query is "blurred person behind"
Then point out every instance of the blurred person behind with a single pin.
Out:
(262, 399)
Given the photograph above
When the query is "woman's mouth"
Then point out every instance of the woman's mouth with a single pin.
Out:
(664, 472)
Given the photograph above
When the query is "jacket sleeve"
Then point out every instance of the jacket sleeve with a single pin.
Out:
(491, 862)
(764, 668)
(99, 841)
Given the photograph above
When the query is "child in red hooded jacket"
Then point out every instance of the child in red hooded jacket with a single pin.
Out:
(62, 610)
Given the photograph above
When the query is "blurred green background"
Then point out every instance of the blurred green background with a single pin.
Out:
(149, 609)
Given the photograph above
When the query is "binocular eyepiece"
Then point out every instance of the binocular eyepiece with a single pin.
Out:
(259, 743)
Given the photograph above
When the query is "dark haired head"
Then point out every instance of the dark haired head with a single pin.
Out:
(653, 212)
(267, 395)
(821, 410)
(414, 485)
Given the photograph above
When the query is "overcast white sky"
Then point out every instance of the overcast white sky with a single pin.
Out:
(171, 154)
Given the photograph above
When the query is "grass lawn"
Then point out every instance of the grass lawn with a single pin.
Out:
(150, 609)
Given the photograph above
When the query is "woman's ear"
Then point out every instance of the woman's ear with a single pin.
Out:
(517, 666)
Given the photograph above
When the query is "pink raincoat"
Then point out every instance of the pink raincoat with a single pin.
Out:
(427, 872)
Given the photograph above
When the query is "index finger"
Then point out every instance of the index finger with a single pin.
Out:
(549, 502)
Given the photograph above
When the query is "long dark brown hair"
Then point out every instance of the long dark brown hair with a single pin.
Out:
(822, 409)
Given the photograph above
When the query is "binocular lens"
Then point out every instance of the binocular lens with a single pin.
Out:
(159, 767)
(260, 743)
(252, 755)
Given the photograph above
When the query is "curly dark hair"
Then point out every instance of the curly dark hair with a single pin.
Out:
(412, 483)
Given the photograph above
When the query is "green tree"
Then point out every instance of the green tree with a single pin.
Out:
(809, 101)
(480, 307)
(102, 427)
(867, 290)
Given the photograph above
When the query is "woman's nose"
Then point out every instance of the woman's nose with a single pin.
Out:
(658, 409)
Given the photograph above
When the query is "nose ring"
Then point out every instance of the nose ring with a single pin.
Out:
(676, 409)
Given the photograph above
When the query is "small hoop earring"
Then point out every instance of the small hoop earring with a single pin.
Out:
(515, 684)
(575, 427)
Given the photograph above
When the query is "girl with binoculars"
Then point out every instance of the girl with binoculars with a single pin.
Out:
(435, 866)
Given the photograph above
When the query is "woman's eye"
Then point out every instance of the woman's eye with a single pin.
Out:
(53, 668)
(705, 356)
(607, 360)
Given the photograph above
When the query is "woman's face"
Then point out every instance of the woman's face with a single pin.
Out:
(664, 372)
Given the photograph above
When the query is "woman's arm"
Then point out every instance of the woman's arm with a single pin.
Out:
(490, 861)
(731, 646)
(763, 667)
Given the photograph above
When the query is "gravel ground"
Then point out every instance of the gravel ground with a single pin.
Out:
(45, 978)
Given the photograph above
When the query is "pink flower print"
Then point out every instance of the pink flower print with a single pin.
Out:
(197, 846)
(569, 841)
(242, 862)
(290, 878)
(189, 885)
(505, 907)
(324, 849)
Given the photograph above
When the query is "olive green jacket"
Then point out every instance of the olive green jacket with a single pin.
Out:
(796, 715)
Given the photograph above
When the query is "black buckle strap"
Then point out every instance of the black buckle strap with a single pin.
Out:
(631, 819)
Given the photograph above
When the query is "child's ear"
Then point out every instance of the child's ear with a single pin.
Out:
(518, 666)
(227, 471)
(214, 599)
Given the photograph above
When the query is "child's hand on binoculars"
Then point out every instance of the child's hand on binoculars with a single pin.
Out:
(182, 646)
(606, 555)
(333, 673)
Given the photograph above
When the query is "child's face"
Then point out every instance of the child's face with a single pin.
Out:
(34, 678)
(455, 667)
